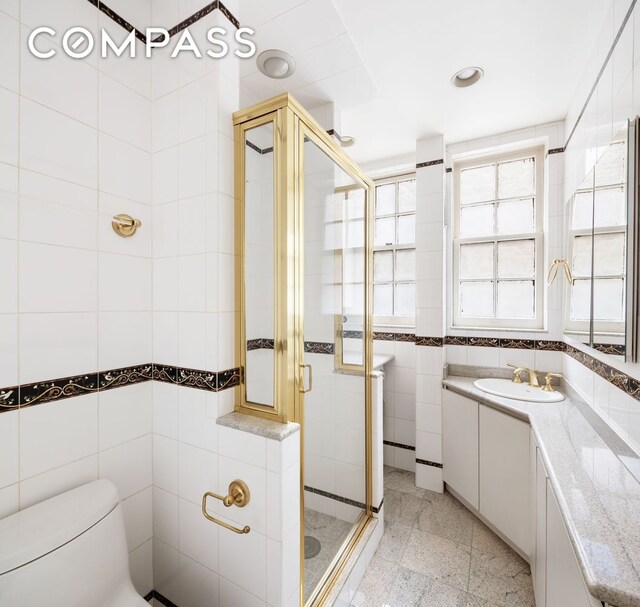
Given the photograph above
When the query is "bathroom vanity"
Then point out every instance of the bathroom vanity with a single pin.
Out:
(544, 479)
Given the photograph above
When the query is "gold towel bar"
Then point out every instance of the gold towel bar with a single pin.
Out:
(238, 495)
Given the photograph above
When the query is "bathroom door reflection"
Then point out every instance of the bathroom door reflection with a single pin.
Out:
(334, 410)
(259, 270)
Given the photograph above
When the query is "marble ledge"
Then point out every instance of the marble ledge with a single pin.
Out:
(599, 497)
(259, 426)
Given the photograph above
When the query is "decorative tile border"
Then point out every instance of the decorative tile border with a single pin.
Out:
(261, 343)
(176, 29)
(555, 151)
(343, 500)
(319, 347)
(154, 594)
(429, 163)
(433, 342)
(424, 462)
(28, 395)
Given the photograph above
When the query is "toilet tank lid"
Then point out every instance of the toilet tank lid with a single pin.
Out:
(39, 529)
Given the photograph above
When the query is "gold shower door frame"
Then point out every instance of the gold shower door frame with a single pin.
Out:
(292, 126)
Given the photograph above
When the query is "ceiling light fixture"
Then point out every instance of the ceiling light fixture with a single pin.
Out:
(346, 141)
(467, 76)
(276, 64)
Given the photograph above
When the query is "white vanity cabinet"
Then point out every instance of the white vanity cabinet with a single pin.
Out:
(504, 475)
(564, 582)
(492, 462)
(460, 445)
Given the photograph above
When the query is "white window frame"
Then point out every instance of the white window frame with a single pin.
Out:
(395, 321)
(505, 324)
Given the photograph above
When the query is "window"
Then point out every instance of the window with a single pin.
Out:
(394, 256)
(498, 243)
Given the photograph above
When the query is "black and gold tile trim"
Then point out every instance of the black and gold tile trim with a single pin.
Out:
(163, 600)
(424, 462)
(341, 499)
(555, 151)
(318, 347)
(433, 342)
(176, 29)
(28, 395)
(260, 344)
(429, 163)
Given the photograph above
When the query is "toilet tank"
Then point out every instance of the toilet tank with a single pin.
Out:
(67, 551)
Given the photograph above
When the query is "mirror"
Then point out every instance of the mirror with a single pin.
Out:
(259, 260)
(600, 303)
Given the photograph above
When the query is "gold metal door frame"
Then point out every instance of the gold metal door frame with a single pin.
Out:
(293, 125)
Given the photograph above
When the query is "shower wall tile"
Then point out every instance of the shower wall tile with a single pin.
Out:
(57, 146)
(10, 61)
(124, 170)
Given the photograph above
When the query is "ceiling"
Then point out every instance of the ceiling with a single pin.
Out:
(387, 66)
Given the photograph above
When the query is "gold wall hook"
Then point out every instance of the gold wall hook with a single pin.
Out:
(124, 225)
(239, 495)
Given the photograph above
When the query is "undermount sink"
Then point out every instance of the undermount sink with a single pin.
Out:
(507, 389)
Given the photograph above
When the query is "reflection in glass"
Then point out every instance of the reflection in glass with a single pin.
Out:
(259, 265)
(334, 314)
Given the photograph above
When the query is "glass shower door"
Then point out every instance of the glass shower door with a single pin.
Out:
(334, 414)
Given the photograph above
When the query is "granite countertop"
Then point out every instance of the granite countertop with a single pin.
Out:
(257, 425)
(599, 497)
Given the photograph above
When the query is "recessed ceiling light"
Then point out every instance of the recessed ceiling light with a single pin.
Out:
(276, 64)
(467, 76)
(346, 141)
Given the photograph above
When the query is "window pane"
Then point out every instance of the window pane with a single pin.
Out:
(517, 259)
(476, 221)
(516, 217)
(476, 299)
(582, 216)
(353, 303)
(354, 265)
(581, 265)
(406, 229)
(406, 265)
(333, 236)
(516, 299)
(608, 254)
(610, 208)
(355, 233)
(383, 266)
(476, 260)
(608, 299)
(611, 168)
(516, 179)
(385, 231)
(405, 300)
(386, 199)
(407, 196)
(581, 300)
(383, 300)
(355, 203)
(478, 184)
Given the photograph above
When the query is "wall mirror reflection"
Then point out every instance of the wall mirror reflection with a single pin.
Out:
(600, 245)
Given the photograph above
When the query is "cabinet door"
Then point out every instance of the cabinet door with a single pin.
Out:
(504, 475)
(539, 562)
(565, 585)
(460, 445)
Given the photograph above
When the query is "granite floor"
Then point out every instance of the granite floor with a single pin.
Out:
(435, 553)
(331, 532)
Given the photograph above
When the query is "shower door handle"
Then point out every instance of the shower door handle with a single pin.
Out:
(302, 384)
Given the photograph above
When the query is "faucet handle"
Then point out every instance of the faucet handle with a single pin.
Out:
(516, 373)
(547, 378)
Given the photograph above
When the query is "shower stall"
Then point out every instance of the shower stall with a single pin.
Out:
(304, 331)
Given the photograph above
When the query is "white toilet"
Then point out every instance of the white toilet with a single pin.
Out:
(69, 551)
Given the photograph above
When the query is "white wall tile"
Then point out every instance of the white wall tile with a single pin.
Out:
(57, 434)
(115, 464)
(9, 112)
(10, 61)
(9, 461)
(198, 536)
(141, 568)
(9, 500)
(57, 345)
(125, 170)
(198, 473)
(124, 339)
(165, 517)
(165, 463)
(124, 282)
(137, 512)
(124, 414)
(56, 145)
(166, 575)
(54, 482)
